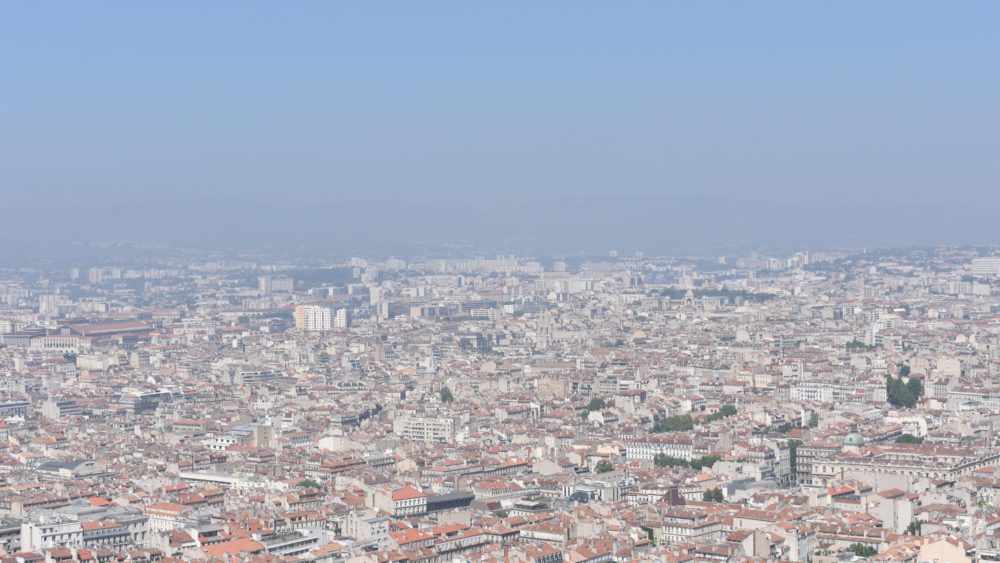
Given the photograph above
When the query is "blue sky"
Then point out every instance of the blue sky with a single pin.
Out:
(432, 102)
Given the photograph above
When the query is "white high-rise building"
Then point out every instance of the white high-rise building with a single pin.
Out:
(987, 266)
(342, 319)
(313, 318)
(275, 284)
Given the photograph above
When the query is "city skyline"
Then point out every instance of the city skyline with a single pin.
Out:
(172, 405)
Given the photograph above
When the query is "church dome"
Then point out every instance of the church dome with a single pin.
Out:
(854, 439)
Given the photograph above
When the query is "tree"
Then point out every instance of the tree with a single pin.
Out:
(596, 404)
(663, 460)
(500, 513)
(914, 528)
(915, 386)
(713, 495)
(904, 370)
(793, 454)
(446, 396)
(706, 461)
(897, 394)
(676, 423)
(909, 439)
(308, 483)
(813, 420)
(862, 550)
(604, 466)
(724, 412)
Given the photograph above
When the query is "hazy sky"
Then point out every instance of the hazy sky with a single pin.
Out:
(301, 104)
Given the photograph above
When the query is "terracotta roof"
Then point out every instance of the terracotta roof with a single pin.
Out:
(233, 547)
(406, 493)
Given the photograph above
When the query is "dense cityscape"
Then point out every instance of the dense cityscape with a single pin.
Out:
(812, 406)
(569, 281)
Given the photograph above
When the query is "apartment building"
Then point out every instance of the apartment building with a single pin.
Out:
(428, 429)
